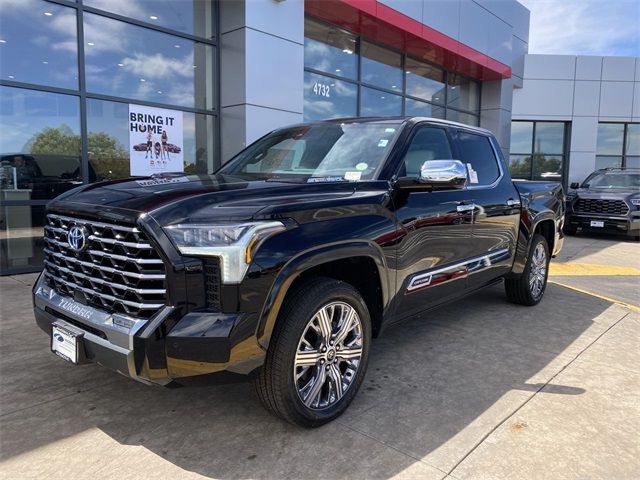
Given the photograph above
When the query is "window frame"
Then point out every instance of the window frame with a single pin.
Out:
(565, 148)
(623, 155)
(403, 92)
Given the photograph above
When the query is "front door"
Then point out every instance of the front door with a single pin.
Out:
(437, 231)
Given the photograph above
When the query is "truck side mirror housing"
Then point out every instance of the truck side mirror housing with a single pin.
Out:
(437, 175)
(574, 186)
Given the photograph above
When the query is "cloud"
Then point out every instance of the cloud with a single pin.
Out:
(159, 66)
(584, 27)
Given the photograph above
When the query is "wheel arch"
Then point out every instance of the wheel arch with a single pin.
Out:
(332, 261)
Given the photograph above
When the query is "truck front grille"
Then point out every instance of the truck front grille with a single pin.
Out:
(116, 270)
(603, 207)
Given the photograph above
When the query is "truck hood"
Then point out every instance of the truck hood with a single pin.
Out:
(605, 194)
(178, 198)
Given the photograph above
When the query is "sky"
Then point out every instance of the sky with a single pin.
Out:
(584, 27)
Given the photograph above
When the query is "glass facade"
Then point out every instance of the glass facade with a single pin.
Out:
(346, 75)
(69, 72)
(538, 150)
(618, 145)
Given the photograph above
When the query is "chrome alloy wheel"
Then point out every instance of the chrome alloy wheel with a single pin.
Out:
(538, 271)
(328, 355)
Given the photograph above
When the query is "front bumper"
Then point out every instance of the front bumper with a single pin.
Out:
(159, 350)
(629, 225)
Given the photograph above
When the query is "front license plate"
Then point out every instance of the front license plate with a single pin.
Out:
(65, 343)
(597, 223)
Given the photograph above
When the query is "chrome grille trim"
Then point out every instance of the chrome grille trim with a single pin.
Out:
(93, 222)
(148, 291)
(147, 276)
(141, 261)
(103, 295)
(118, 272)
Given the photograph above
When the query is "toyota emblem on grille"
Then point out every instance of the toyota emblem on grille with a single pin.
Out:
(76, 238)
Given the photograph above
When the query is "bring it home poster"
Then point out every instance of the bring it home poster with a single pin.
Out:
(155, 140)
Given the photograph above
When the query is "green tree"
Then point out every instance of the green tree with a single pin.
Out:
(54, 141)
(107, 156)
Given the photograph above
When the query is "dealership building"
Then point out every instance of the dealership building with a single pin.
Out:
(95, 90)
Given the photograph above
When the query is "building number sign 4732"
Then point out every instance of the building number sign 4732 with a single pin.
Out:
(322, 90)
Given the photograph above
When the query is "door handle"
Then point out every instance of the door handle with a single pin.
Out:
(466, 207)
(513, 203)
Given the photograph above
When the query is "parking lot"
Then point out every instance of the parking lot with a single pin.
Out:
(479, 389)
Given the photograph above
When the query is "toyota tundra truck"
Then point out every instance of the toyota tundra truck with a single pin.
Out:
(283, 264)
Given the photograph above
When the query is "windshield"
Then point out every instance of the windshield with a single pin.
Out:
(316, 153)
(613, 181)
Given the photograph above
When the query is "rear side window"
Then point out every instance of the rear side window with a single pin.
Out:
(477, 153)
(427, 144)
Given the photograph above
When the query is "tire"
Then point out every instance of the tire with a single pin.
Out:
(525, 290)
(570, 230)
(300, 330)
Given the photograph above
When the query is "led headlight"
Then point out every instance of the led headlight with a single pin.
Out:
(635, 201)
(234, 244)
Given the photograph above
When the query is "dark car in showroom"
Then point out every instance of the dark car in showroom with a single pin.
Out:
(607, 201)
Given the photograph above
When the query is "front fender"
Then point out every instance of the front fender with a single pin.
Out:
(309, 259)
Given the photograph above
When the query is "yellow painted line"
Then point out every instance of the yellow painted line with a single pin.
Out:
(590, 269)
(630, 306)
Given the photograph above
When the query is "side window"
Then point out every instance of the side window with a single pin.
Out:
(477, 153)
(427, 144)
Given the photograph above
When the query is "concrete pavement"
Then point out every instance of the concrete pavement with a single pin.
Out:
(479, 389)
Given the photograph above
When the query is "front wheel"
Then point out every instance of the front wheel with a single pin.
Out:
(528, 288)
(318, 354)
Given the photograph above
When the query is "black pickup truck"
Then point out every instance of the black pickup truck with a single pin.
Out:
(283, 264)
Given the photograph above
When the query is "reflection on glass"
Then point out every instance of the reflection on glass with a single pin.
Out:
(463, 93)
(604, 161)
(329, 49)
(633, 162)
(21, 235)
(547, 167)
(377, 103)
(38, 43)
(462, 117)
(521, 137)
(108, 141)
(39, 144)
(549, 137)
(633, 140)
(325, 97)
(422, 109)
(424, 81)
(188, 16)
(130, 61)
(520, 166)
(381, 67)
(610, 138)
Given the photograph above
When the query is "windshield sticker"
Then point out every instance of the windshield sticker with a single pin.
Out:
(383, 142)
(361, 166)
(324, 179)
(389, 130)
(473, 175)
(353, 176)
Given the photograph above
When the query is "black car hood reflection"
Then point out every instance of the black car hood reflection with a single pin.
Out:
(186, 198)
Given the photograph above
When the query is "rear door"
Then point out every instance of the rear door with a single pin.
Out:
(436, 230)
(496, 207)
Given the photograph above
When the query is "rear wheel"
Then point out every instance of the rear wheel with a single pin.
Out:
(318, 354)
(528, 289)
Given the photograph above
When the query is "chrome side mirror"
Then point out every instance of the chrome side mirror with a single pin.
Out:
(444, 174)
